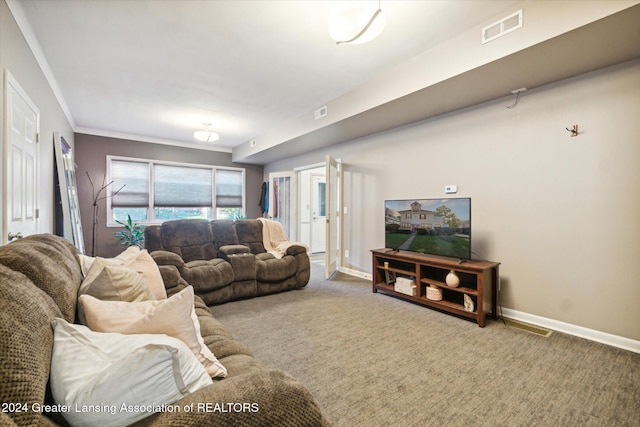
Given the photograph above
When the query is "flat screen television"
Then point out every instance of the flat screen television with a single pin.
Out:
(430, 226)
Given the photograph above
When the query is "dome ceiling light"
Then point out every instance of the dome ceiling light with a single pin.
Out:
(354, 24)
(206, 135)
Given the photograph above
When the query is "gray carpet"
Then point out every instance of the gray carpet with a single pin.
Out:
(373, 360)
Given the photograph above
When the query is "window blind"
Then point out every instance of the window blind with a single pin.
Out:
(181, 187)
(229, 188)
(135, 178)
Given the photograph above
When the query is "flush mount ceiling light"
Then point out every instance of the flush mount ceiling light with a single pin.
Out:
(206, 135)
(355, 22)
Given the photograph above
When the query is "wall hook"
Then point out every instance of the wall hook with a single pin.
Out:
(574, 130)
(517, 93)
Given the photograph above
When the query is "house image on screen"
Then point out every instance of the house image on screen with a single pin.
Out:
(416, 218)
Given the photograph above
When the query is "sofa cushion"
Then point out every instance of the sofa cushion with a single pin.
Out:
(104, 371)
(192, 239)
(26, 340)
(224, 233)
(271, 269)
(50, 262)
(174, 316)
(250, 234)
(208, 275)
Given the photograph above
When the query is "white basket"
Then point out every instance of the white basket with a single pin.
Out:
(434, 293)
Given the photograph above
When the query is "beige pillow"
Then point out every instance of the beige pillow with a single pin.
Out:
(107, 372)
(108, 281)
(136, 259)
(128, 255)
(174, 316)
(147, 267)
(87, 261)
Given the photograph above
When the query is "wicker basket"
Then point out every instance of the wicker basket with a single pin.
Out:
(434, 293)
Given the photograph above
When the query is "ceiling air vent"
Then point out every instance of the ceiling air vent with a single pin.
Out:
(502, 27)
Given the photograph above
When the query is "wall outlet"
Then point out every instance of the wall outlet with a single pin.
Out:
(346, 253)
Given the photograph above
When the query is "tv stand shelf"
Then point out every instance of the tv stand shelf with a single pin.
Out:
(478, 281)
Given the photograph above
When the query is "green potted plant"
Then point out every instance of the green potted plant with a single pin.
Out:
(132, 235)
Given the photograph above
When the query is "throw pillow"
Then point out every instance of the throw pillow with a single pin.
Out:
(137, 259)
(147, 267)
(111, 282)
(174, 316)
(110, 379)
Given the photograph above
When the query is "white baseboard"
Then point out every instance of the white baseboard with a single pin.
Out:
(578, 331)
(356, 273)
(555, 325)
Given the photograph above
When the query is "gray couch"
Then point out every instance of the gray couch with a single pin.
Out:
(226, 260)
(39, 280)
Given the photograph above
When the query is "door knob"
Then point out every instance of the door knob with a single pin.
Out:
(13, 236)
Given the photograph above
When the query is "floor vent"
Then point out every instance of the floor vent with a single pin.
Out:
(528, 328)
(502, 27)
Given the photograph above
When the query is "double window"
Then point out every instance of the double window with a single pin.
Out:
(151, 191)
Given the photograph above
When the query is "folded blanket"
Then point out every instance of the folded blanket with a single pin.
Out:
(275, 239)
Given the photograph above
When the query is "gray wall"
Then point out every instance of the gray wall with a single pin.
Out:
(559, 213)
(91, 152)
(17, 58)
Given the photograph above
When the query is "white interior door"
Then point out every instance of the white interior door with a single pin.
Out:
(21, 163)
(318, 213)
(333, 215)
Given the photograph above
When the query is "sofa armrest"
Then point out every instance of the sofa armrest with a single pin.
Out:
(227, 250)
(258, 397)
(295, 249)
(167, 258)
(173, 281)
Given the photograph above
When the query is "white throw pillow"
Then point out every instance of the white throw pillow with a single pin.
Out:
(174, 316)
(111, 379)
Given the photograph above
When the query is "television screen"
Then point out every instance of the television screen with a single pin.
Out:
(429, 226)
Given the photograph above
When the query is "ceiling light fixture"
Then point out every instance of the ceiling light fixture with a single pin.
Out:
(206, 135)
(351, 25)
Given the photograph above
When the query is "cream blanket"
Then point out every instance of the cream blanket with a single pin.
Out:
(275, 239)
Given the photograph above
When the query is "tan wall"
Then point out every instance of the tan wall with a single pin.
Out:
(560, 213)
(17, 58)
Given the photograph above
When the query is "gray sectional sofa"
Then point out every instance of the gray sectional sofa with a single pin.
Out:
(225, 260)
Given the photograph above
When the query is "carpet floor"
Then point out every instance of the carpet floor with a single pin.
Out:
(374, 360)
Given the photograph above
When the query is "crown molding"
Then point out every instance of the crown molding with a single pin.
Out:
(152, 140)
(15, 7)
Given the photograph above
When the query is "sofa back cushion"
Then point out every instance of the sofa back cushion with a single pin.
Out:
(51, 263)
(153, 238)
(26, 342)
(192, 239)
(249, 233)
(224, 232)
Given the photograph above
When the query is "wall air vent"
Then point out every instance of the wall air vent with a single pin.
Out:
(320, 112)
(502, 27)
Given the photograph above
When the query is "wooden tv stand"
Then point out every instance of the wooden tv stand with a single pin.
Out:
(478, 280)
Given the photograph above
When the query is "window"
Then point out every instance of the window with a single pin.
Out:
(151, 191)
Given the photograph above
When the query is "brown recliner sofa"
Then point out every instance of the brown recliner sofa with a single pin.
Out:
(226, 260)
(40, 276)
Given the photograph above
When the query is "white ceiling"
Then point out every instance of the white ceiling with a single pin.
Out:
(157, 69)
